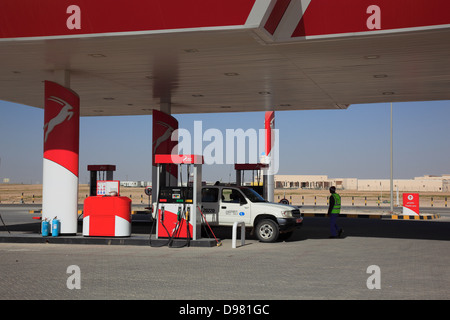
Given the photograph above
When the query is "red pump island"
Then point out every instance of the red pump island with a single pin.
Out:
(107, 216)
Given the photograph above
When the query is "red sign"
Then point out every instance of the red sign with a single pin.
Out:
(61, 126)
(328, 17)
(410, 203)
(171, 226)
(46, 18)
(178, 159)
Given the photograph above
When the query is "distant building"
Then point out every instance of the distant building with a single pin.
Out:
(427, 183)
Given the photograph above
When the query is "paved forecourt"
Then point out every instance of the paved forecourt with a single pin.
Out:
(376, 259)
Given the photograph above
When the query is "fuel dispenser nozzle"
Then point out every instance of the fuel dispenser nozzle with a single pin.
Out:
(162, 213)
(188, 211)
(179, 214)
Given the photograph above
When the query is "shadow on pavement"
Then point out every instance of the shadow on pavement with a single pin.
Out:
(318, 228)
(313, 228)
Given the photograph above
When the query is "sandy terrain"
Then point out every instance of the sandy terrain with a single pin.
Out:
(14, 193)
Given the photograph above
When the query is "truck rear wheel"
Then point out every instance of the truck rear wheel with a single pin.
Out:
(267, 230)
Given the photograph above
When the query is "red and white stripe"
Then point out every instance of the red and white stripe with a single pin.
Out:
(107, 216)
(269, 125)
(297, 20)
(61, 149)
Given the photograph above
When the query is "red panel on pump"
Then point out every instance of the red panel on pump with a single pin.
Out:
(170, 227)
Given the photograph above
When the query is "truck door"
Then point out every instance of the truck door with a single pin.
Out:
(233, 207)
(210, 204)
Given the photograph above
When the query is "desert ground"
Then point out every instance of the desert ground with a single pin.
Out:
(29, 194)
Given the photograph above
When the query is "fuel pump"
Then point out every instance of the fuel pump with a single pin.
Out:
(176, 207)
(175, 202)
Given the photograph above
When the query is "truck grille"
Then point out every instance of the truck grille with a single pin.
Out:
(296, 213)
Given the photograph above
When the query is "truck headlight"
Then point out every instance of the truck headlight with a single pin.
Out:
(286, 214)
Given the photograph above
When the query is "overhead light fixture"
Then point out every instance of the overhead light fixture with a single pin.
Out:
(225, 107)
(264, 92)
(372, 56)
(191, 50)
(231, 74)
(108, 98)
(388, 93)
(379, 76)
(97, 110)
(197, 95)
(97, 55)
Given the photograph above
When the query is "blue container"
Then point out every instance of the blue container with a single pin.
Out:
(55, 227)
(45, 228)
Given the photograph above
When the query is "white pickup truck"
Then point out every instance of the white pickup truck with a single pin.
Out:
(223, 205)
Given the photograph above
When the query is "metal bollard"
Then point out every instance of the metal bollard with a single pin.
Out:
(235, 225)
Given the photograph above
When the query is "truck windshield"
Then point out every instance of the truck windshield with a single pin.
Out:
(252, 195)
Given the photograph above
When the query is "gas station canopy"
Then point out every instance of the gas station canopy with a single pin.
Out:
(205, 56)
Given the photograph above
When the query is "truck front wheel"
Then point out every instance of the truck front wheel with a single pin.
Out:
(267, 230)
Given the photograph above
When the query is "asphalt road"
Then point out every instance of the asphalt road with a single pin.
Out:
(376, 259)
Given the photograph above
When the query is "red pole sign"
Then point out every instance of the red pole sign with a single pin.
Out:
(61, 146)
(411, 203)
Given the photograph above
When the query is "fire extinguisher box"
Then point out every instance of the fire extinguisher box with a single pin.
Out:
(107, 216)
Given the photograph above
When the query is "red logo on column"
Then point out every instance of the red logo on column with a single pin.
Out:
(61, 126)
(163, 127)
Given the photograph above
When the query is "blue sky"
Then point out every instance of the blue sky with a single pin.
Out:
(338, 143)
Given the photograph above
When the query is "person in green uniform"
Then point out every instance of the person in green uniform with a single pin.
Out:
(333, 211)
